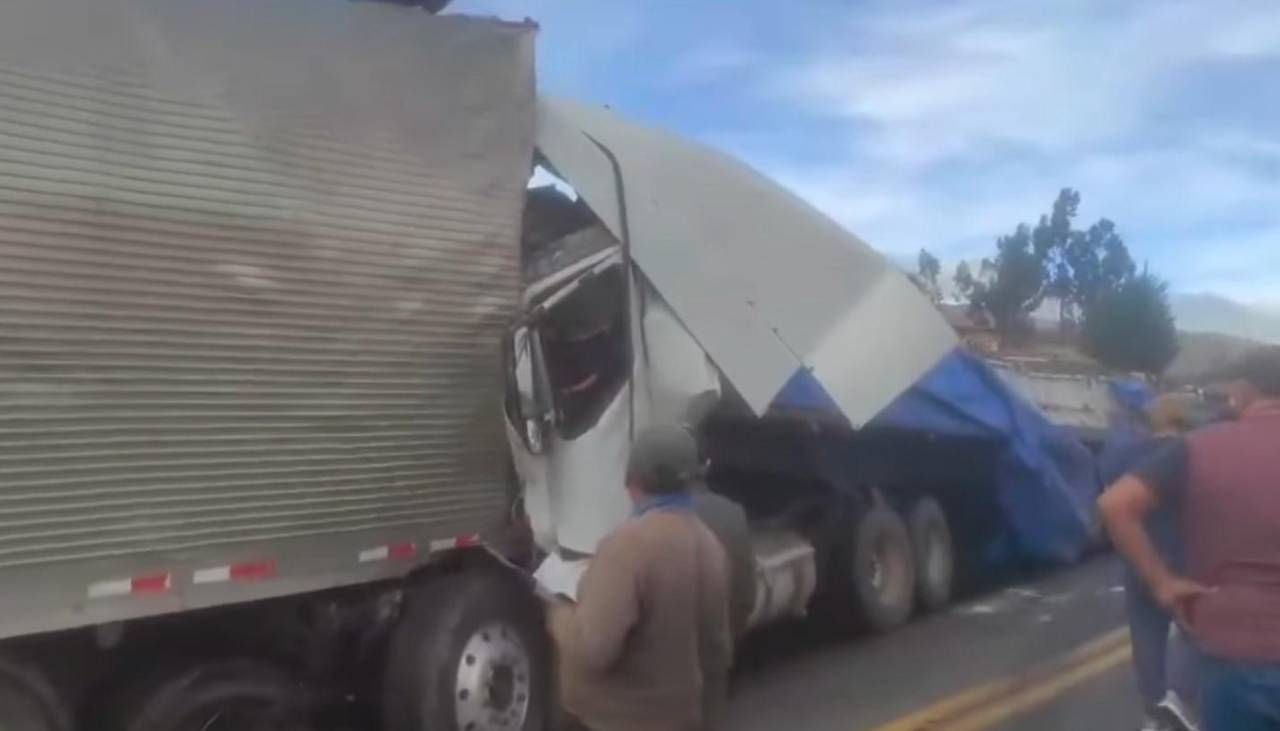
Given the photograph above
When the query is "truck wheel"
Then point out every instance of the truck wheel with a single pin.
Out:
(469, 654)
(884, 579)
(229, 695)
(28, 703)
(934, 554)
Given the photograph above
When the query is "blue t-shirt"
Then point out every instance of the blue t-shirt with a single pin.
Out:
(1133, 456)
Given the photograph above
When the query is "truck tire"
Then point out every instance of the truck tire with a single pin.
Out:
(469, 654)
(884, 581)
(28, 703)
(224, 695)
(935, 559)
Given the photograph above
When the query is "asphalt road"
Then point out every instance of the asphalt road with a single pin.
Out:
(1046, 655)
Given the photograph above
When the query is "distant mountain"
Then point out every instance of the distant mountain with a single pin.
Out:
(1211, 313)
(1202, 356)
(1216, 332)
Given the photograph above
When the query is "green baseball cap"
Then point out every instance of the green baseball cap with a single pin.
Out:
(664, 458)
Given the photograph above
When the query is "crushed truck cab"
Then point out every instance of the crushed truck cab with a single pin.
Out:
(732, 285)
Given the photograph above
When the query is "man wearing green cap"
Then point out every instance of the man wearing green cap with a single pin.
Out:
(651, 621)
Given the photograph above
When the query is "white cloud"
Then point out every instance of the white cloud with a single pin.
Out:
(917, 123)
(1179, 188)
(1163, 201)
(899, 217)
(1245, 264)
(712, 63)
(948, 83)
(934, 83)
(1251, 34)
(962, 120)
(1242, 144)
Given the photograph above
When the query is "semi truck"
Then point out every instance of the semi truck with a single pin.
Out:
(301, 378)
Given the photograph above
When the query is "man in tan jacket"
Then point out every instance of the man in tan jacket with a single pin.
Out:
(651, 620)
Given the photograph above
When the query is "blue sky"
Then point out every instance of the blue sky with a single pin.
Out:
(943, 124)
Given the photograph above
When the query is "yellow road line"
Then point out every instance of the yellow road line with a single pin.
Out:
(1095, 656)
(1035, 696)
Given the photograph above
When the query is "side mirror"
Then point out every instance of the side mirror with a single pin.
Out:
(528, 406)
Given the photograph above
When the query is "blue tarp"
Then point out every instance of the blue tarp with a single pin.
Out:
(1135, 396)
(1047, 480)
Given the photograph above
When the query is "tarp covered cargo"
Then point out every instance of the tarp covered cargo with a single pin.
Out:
(1046, 480)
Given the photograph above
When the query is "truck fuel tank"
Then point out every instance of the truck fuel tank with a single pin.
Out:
(786, 576)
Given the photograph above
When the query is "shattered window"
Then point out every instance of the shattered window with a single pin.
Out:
(584, 342)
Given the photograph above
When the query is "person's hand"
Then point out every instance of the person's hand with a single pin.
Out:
(1175, 593)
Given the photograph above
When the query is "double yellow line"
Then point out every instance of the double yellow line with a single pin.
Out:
(987, 705)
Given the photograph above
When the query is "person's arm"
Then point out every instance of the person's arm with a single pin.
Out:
(1125, 507)
(593, 632)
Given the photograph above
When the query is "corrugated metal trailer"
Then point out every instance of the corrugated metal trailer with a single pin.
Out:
(256, 259)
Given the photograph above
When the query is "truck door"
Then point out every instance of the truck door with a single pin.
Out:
(573, 469)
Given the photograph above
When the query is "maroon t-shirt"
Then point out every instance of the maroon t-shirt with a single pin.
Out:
(1226, 479)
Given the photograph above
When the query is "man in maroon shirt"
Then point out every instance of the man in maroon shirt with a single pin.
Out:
(1225, 483)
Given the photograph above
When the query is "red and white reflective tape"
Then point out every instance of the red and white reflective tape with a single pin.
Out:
(250, 571)
(407, 550)
(394, 551)
(448, 544)
(240, 572)
(149, 584)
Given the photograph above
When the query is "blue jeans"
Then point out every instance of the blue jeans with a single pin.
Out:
(1240, 697)
(1149, 623)
(1149, 633)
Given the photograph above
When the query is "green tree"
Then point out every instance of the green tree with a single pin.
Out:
(1099, 262)
(1052, 239)
(1011, 286)
(963, 279)
(928, 269)
(1117, 265)
(1126, 318)
(1052, 260)
(1131, 326)
(1079, 266)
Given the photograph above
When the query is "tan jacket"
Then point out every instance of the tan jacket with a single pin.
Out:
(651, 618)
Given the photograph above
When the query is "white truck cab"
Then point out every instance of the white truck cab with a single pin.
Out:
(679, 282)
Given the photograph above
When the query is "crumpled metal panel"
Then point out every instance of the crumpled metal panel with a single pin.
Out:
(255, 260)
(765, 283)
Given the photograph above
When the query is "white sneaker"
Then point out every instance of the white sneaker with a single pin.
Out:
(1175, 715)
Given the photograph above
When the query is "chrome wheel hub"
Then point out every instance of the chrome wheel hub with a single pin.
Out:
(877, 573)
(493, 683)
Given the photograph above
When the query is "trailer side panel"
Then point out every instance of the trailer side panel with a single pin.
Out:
(255, 260)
